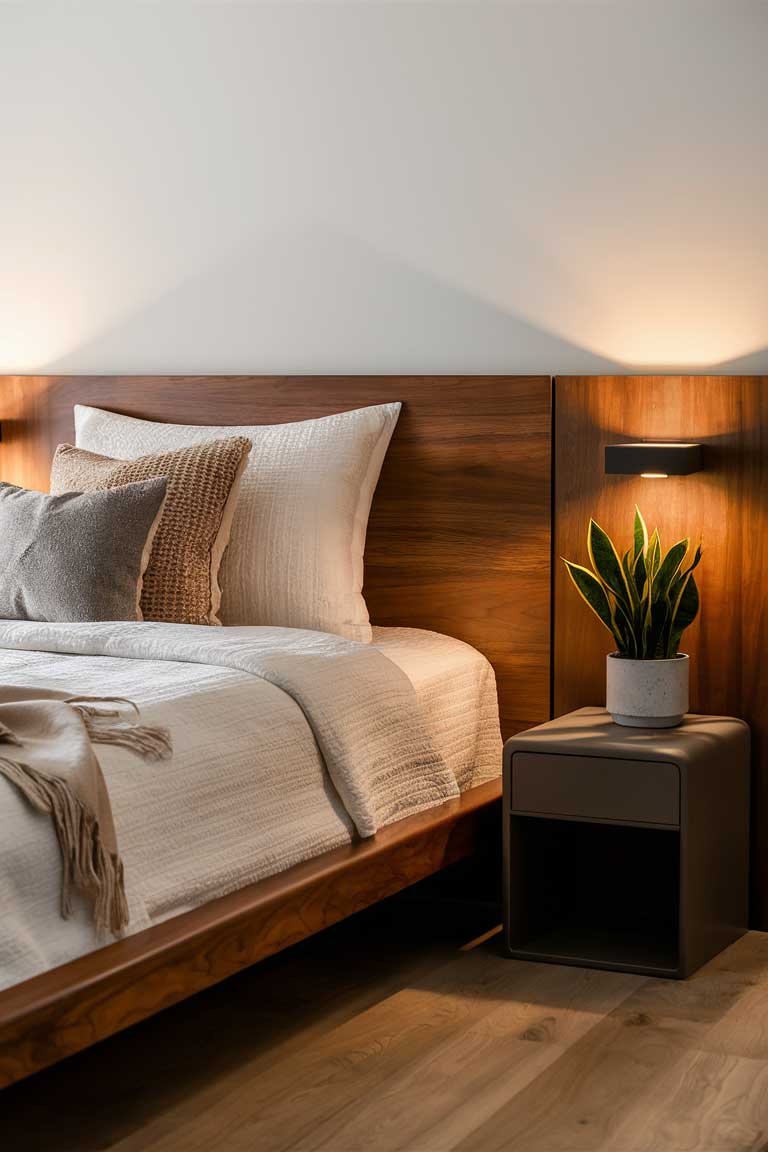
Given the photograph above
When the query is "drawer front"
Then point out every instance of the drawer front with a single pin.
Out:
(641, 791)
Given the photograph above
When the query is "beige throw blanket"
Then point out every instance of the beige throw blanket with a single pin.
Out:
(46, 753)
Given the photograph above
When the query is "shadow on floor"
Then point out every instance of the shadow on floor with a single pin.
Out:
(99, 1097)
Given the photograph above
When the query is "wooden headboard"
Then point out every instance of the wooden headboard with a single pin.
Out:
(459, 535)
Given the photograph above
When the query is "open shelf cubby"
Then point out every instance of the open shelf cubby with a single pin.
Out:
(602, 895)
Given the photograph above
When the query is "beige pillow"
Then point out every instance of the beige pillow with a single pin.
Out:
(181, 581)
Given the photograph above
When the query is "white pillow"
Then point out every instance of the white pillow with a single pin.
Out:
(295, 556)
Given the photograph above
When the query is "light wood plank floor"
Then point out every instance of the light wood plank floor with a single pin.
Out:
(382, 1034)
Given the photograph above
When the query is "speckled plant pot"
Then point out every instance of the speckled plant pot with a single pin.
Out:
(647, 693)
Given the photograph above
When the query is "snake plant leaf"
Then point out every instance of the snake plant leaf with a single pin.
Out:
(591, 590)
(645, 641)
(624, 632)
(639, 574)
(640, 533)
(675, 590)
(653, 554)
(669, 567)
(627, 563)
(695, 561)
(684, 612)
(606, 562)
(678, 588)
(661, 614)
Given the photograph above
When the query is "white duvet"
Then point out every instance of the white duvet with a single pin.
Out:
(286, 744)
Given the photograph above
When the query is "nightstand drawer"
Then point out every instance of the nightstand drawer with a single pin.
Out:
(595, 788)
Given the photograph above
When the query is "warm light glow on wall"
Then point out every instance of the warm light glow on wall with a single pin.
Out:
(642, 340)
(643, 309)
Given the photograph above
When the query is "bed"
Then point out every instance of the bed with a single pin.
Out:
(457, 562)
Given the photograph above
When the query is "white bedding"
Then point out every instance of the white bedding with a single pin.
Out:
(248, 792)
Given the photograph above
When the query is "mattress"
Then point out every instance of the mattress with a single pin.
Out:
(247, 793)
(456, 690)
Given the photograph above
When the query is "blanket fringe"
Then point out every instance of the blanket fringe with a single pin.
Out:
(148, 742)
(86, 863)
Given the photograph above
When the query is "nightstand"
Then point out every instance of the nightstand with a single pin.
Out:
(626, 848)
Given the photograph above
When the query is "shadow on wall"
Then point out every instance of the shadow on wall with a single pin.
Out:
(753, 364)
(322, 303)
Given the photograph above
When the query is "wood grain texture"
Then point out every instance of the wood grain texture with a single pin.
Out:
(72, 1006)
(727, 503)
(459, 534)
(419, 1047)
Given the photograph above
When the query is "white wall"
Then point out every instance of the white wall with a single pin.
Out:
(383, 187)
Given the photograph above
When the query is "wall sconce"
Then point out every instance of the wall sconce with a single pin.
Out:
(653, 460)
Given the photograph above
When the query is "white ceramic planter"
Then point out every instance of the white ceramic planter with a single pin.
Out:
(647, 693)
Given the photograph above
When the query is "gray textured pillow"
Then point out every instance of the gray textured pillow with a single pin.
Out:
(79, 556)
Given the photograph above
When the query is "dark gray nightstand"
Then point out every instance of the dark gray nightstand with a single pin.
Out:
(626, 848)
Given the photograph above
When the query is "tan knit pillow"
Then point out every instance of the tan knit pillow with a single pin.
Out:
(181, 581)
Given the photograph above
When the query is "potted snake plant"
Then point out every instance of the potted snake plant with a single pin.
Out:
(646, 599)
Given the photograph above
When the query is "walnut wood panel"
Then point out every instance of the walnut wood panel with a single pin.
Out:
(65, 1010)
(459, 535)
(727, 502)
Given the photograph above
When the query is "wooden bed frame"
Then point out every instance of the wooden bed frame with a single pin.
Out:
(458, 542)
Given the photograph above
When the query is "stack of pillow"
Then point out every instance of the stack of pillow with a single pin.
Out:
(253, 525)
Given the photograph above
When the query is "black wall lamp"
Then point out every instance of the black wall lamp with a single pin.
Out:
(652, 459)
